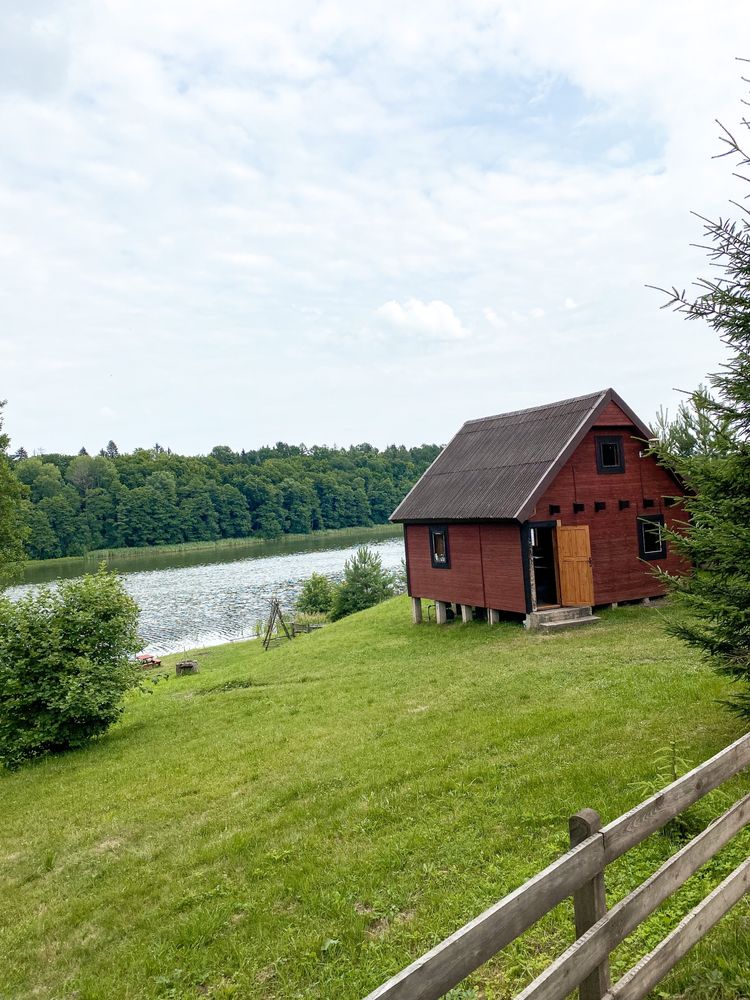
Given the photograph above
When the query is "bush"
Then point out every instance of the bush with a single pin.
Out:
(311, 618)
(316, 595)
(13, 531)
(64, 665)
(365, 583)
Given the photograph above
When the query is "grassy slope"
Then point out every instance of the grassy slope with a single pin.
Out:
(374, 788)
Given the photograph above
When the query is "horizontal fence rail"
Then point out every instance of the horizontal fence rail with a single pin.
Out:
(432, 975)
(580, 873)
(596, 944)
(648, 817)
(654, 967)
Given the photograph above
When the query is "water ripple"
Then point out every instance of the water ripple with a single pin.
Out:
(188, 607)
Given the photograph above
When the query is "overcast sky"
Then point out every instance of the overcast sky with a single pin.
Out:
(238, 222)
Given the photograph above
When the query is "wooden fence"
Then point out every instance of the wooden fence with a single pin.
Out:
(580, 874)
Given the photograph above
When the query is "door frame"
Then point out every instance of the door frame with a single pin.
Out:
(529, 584)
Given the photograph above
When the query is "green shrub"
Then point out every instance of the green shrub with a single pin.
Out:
(400, 582)
(64, 665)
(311, 618)
(316, 595)
(365, 583)
(13, 531)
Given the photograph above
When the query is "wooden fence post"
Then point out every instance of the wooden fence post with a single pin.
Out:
(589, 903)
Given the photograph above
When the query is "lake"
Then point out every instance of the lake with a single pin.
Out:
(202, 598)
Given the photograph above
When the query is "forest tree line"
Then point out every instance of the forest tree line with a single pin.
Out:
(78, 503)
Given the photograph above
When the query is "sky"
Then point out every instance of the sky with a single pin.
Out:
(329, 222)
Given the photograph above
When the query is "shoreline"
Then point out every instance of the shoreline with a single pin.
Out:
(220, 546)
(214, 598)
(213, 645)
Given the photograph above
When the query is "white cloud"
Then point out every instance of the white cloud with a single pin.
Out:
(188, 190)
(434, 319)
(493, 319)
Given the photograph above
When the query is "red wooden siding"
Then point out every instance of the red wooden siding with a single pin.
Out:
(612, 416)
(619, 574)
(462, 582)
(486, 570)
(503, 567)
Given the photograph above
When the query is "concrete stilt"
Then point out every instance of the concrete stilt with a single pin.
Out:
(493, 617)
(466, 613)
(416, 610)
(440, 616)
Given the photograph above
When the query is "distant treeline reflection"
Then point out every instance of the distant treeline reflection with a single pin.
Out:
(80, 503)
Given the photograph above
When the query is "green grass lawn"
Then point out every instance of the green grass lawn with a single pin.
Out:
(304, 822)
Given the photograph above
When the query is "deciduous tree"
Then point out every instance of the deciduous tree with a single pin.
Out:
(13, 518)
(155, 497)
(64, 665)
(316, 596)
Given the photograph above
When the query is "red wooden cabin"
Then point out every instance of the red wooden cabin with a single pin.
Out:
(555, 506)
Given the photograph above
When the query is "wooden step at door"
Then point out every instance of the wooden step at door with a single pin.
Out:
(569, 623)
(560, 617)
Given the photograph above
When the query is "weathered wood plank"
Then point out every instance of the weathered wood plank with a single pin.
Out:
(440, 969)
(590, 905)
(634, 826)
(642, 978)
(588, 952)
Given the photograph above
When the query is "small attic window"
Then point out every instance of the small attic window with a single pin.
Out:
(439, 547)
(610, 457)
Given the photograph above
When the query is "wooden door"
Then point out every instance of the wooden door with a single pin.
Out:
(574, 564)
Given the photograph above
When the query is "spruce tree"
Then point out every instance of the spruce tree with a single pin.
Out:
(13, 517)
(715, 591)
(365, 584)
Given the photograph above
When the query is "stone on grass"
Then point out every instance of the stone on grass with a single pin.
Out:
(186, 667)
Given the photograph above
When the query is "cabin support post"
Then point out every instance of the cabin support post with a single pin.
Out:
(493, 616)
(416, 610)
(441, 616)
(589, 903)
(466, 613)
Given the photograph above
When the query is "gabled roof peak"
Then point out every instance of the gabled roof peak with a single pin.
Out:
(495, 468)
(531, 412)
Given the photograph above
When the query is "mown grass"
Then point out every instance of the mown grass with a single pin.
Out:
(304, 822)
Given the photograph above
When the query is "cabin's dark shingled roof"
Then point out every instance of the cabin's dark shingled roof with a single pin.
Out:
(494, 468)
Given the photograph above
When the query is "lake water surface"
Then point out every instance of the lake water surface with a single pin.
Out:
(219, 596)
